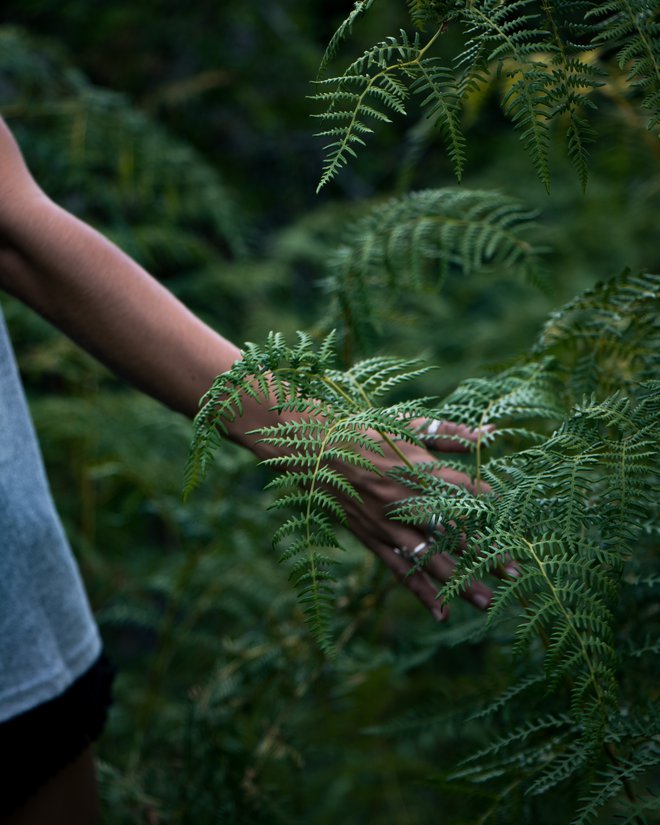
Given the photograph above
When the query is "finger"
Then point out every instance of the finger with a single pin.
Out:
(441, 566)
(507, 569)
(419, 583)
(449, 437)
(479, 594)
(459, 479)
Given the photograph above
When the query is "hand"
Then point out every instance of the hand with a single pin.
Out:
(369, 520)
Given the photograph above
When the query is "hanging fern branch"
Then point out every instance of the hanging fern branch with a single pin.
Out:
(606, 338)
(409, 245)
(536, 47)
(572, 79)
(442, 94)
(553, 723)
(571, 510)
(633, 27)
(378, 83)
(346, 27)
(508, 35)
(518, 394)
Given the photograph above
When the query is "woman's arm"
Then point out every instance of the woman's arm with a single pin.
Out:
(106, 302)
(101, 298)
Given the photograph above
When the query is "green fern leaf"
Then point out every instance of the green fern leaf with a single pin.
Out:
(442, 101)
(330, 419)
(633, 27)
(345, 28)
(609, 784)
(508, 34)
(563, 766)
(374, 87)
(411, 244)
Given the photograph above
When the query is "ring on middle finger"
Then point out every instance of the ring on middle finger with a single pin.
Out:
(433, 525)
(414, 554)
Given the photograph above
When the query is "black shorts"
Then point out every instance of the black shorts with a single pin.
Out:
(37, 744)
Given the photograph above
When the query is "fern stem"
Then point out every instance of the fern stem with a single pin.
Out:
(308, 533)
(386, 438)
(608, 747)
(477, 480)
(424, 49)
(335, 387)
(643, 36)
(567, 616)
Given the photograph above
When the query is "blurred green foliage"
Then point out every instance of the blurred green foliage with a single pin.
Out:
(184, 134)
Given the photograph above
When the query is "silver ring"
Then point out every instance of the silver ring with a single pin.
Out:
(414, 554)
(433, 427)
(432, 526)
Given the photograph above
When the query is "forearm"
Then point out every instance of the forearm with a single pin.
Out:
(102, 299)
(106, 302)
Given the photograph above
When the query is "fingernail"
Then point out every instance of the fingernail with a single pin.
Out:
(487, 429)
(481, 600)
(512, 571)
(439, 613)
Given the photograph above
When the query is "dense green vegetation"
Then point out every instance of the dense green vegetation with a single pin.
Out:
(186, 137)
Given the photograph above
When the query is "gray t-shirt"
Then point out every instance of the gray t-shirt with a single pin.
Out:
(47, 634)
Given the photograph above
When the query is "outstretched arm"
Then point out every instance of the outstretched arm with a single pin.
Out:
(100, 297)
(106, 302)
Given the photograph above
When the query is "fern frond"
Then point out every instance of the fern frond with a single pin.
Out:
(559, 722)
(608, 337)
(375, 377)
(551, 509)
(519, 393)
(532, 680)
(329, 419)
(609, 784)
(442, 98)
(345, 28)
(546, 55)
(637, 811)
(633, 28)
(563, 765)
(373, 87)
(509, 34)
(313, 582)
(411, 244)
(572, 80)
